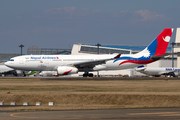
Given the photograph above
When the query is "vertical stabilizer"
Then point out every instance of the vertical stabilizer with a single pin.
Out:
(163, 41)
(159, 45)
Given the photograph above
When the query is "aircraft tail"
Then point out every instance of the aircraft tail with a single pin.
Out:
(159, 45)
(157, 48)
(152, 52)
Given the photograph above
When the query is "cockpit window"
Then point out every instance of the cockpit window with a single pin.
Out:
(11, 59)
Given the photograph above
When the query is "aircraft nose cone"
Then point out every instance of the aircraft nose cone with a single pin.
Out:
(6, 63)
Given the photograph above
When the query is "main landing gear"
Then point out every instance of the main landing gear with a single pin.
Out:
(86, 74)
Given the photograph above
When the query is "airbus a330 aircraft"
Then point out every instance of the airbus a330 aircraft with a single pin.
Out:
(158, 71)
(4, 70)
(70, 64)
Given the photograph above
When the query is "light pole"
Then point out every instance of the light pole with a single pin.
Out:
(98, 47)
(21, 46)
(173, 44)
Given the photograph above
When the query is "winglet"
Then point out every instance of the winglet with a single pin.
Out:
(117, 56)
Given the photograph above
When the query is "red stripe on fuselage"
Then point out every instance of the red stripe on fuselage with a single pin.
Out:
(137, 62)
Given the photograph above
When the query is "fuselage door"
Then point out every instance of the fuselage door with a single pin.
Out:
(21, 61)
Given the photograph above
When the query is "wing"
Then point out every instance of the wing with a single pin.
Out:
(4, 68)
(91, 64)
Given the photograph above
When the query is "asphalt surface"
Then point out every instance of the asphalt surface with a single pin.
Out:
(110, 114)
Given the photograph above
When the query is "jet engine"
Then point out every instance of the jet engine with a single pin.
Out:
(174, 74)
(18, 73)
(66, 70)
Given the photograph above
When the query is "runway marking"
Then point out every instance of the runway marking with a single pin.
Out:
(17, 115)
(158, 113)
(172, 115)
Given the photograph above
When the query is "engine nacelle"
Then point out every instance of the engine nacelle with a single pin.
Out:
(66, 70)
(18, 73)
(174, 74)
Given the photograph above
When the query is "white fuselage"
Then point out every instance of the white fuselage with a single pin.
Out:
(51, 62)
(158, 70)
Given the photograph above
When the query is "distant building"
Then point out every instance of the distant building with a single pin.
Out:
(177, 47)
(35, 50)
(89, 49)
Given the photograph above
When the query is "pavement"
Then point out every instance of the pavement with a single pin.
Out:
(108, 114)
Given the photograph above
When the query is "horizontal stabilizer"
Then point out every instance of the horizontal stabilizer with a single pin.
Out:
(155, 57)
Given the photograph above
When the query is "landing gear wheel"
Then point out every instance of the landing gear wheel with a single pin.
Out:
(90, 75)
(24, 75)
(157, 75)
(85, 75)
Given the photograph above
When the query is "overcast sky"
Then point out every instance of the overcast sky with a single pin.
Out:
(62, 23)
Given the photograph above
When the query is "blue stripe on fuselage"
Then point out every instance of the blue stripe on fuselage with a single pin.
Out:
(152, 49)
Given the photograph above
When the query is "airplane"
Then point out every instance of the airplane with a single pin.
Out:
(72, 64)
(4, 70)
(158, 71)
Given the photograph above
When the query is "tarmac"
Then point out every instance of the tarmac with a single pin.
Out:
(108, 114)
